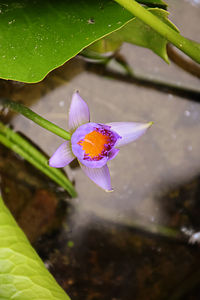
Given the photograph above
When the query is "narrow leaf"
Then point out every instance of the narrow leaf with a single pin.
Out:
(21, 146)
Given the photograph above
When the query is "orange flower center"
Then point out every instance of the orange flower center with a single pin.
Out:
(94, 143)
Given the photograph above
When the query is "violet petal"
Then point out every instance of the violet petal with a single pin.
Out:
(94, 164)
(79, 113)
(129, 131)
(100, 176)
(62, 157)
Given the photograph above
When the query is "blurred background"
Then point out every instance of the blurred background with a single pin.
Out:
(131, 243)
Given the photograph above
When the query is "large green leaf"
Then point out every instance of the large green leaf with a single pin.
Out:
(136, 32)
(38, 36)
(23, 275)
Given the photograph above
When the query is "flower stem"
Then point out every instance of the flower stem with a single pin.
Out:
(28, 113)
(189, 47)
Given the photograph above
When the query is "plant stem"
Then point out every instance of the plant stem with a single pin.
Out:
(153, 83)
(139, 224)
(28, 113)
(189, 47)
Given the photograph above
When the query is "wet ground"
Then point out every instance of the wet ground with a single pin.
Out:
(132, 243)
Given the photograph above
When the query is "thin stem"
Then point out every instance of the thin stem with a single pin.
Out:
(165, 87)
(183, 62)
(122, 62)
(139, 224)
(28, 113)
(155, 81)
(189, 47)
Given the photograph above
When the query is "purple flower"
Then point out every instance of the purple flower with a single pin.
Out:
(94, 144)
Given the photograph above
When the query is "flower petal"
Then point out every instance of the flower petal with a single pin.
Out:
(100, 176)
(113, 153)
(129, 131)
(78, 113)
(62, 157)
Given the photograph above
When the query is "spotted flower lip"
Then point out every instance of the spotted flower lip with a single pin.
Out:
(94, 144)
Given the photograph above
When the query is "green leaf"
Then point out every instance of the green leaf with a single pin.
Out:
(136, 32)
(25, 149)
(38, 36)
(23, 275)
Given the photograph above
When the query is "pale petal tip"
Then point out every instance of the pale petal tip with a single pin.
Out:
(109, 191)
(76, 92)
(145, 126)
(150, 124)
(79, 113)
(52, 164)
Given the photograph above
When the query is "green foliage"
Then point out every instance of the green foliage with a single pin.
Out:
(38, 36)
(23, 275)
(189, 47)
(21, 146)
(136, 32)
